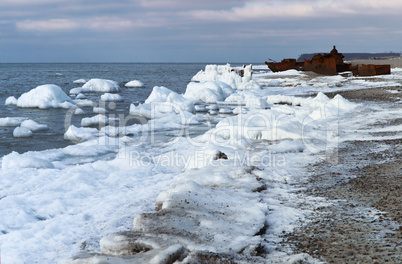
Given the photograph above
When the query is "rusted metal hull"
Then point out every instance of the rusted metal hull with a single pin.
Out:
(284, 65)
(329, 64)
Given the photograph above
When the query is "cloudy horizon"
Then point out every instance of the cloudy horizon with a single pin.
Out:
(193, 31)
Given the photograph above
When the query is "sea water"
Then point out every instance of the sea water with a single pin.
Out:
(16, 79)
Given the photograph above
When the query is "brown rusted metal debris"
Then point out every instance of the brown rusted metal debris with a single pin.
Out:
(329, 64)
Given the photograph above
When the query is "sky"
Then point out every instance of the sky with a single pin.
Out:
(193, 31)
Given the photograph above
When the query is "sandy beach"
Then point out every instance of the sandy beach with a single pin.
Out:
(395, 62)
(364, 224)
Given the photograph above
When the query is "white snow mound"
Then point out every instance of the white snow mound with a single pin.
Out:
(44, 97)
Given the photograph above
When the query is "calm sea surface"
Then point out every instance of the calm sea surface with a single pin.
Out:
(16, 79)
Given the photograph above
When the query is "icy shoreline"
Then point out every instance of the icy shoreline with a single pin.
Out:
(227, 191)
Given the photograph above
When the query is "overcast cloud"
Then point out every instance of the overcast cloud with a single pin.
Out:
(193, 31)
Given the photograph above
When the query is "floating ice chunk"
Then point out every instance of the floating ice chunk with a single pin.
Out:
(225, 111)
(213, 112)
(44, 97)
(11, 121)
(108, 97)
(99, 110)
(15, 160)
(79, 111)
(77, 90)
(200, 108)
(33, 126)
(11, 101)
(79, 134)
(81, 96)
(84, 103)
(134, 83)
(20, 132)
(80, 81)
(101, 85)
(94, 121)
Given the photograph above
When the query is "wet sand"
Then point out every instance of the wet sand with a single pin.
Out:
(364, 224)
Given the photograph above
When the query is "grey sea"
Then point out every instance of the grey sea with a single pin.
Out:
(16, 79)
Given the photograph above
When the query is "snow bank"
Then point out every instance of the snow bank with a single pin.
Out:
(108, 97)
(226, 74)
(44, 97)
(134, 83)
(162, 102)
(15, 160)
(306, 119)
(208, 92)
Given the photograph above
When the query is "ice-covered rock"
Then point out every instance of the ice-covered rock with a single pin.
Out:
(208, 92)
(162, 102)
(79, 134)
(84, 103)
(21, 132)
(33, 126)
(97, 85)
(79, 111)
(11, 101)
(134, 83)
(44, 97)
(80, 81)
(102, 86)
(99, 110)
(228, 75)
(108, 97)
(81, 96)
(100, 120)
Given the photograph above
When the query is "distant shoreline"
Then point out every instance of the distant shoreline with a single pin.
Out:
(395, 62)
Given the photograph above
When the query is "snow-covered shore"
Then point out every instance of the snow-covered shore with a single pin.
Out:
(229, 189)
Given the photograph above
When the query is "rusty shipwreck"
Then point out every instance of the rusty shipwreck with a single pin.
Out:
(329, 64)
